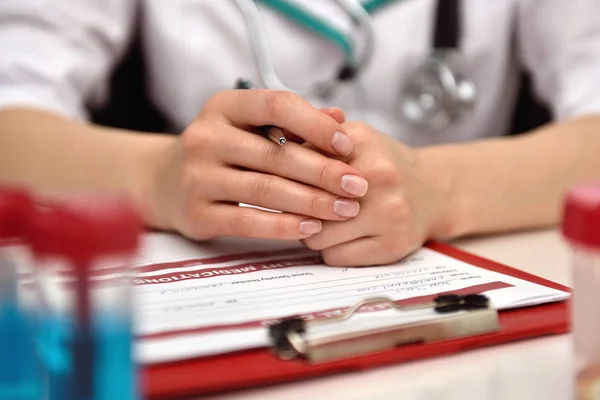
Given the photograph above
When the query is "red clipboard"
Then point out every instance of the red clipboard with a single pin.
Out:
(259, 367)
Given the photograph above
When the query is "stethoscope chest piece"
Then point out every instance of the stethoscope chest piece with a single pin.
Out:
(437, 94)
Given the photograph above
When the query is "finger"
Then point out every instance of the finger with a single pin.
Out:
(290, 161)
(335, 113)
(258, 107)
(309, 146)
(366, 251)
(276, 193)
(335, 233)
(248, 222)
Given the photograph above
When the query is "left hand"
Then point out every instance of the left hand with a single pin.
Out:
(405, 205)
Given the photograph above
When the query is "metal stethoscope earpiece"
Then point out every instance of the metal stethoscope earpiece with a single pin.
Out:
(437, 93)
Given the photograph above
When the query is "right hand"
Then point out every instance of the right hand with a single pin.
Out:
(217, 163)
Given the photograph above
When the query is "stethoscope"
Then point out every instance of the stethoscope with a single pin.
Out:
(437, 94)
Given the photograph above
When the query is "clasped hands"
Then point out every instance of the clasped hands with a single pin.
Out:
(355, 194)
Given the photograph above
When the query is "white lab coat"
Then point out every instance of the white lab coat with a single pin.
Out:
(58, 54)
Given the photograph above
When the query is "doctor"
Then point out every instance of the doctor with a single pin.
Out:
(400, 110)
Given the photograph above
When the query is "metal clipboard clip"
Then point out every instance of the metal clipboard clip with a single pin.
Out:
(448, 317)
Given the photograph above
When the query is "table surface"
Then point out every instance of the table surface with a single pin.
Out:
(526, 370)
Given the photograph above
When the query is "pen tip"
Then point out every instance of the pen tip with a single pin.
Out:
(282, 140)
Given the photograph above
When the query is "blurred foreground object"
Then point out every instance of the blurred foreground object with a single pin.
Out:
(19, 374)
(581, 227)
(83, 251)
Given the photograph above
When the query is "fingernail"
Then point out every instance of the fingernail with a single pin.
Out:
(342, 144)
(355, 185)
(310, 226)
(346, 208)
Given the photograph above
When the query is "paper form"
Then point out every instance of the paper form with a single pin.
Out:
(194, 300)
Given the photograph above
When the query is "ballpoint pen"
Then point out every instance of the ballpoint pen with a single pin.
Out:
(273, 133)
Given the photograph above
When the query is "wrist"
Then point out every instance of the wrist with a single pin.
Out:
(148, 177)
(441, 168)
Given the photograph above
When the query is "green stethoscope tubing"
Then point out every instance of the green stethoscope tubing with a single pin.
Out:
(439, 78)
(321, 27)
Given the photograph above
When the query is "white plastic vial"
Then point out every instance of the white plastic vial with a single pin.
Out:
(581, 228)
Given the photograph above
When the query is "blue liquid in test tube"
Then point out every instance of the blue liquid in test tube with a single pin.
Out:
(115, 375)
(19, 379)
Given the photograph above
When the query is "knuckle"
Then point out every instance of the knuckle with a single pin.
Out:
(188, 138)
(209, 104)
(214, 100)
(243, 223)
(230, 188)
(276, 156)
(196, 137)
(398, 207)
(394, 210)
(281, 227)
(382, 171)
(326, 171)
(402, 208)
(318, 201)
(358, 131)
(262, 190)
(197, 223)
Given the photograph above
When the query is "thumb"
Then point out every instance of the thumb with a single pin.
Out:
(335, 113)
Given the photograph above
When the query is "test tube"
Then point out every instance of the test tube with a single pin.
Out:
(19, 378)
(581, 228)
(83, 251)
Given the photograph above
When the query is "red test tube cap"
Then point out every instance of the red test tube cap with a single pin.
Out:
(581, 219)
(16, 207)
(82, 229)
